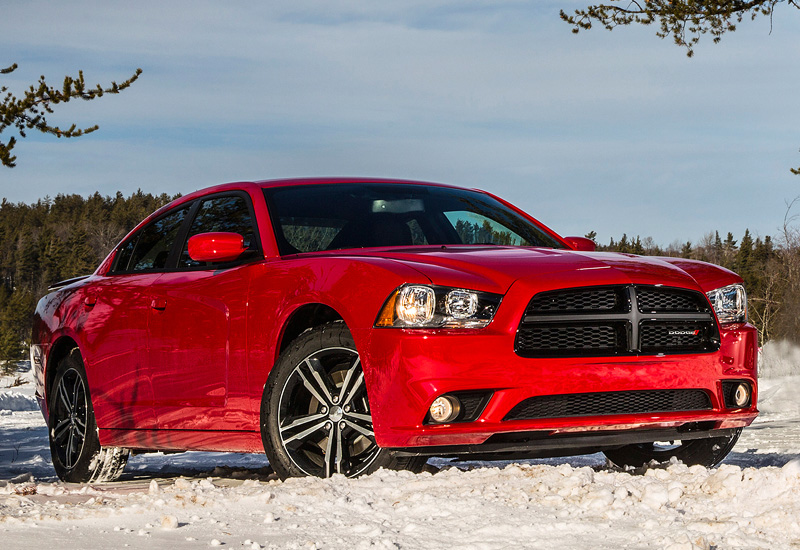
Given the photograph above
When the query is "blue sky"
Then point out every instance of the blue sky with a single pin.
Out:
(613, 132)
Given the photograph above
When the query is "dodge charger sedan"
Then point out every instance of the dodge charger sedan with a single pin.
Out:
(344, 325)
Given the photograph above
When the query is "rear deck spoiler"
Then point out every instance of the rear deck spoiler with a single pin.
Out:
(62, 284)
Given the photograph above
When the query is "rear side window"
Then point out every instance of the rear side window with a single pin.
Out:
(230, 214)
(148, 249)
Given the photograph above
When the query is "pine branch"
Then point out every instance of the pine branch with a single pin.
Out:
(29, 112)
(685, 20)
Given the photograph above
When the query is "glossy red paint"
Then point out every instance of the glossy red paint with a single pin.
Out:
(581, 243)
(178, 358)
(216, 247)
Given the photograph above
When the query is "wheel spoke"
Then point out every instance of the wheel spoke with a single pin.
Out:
(356, 386)
(365, 430)
(329, 458)
(80, 427)
(305, 433)
(69, 454)
(61, 429)
(317, 372)
(359, 416)
(301, 421)
(307, 382)
(64, 395)
(75, 391)
(346, 384)
(339, 451)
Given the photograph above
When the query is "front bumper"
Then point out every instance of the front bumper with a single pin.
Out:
(407, 369)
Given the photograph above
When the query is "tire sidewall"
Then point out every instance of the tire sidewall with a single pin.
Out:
(704, 452)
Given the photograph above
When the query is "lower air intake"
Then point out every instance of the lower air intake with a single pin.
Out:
(606, 403)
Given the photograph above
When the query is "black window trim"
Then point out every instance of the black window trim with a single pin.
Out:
(193, 206)
(190, 206)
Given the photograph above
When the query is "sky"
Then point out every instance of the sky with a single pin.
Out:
(614, 132)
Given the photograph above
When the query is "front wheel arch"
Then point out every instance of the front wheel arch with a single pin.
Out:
(303, 318)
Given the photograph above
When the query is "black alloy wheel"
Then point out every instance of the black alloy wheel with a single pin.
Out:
(316, 419)
(324, 418)
(70, 417)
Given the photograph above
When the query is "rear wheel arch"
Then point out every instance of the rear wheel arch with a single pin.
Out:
(60, 350)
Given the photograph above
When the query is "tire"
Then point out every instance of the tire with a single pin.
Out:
(74, 443)
(315, 416)
(704, 452)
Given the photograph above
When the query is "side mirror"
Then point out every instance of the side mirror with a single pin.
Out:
(581, 243)
(216, 247)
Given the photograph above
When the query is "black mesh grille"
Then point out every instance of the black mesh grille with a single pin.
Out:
(598, 404)
(672, 336)
(659, 299)
(617, 320)
(583, 299)
(575, 337)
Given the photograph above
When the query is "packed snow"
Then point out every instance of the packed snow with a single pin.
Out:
(192, 500)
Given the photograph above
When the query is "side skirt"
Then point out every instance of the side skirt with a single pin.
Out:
(183, 440)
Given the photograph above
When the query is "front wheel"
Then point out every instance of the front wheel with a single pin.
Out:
(74, 443)
(704, 452)
(315, 415)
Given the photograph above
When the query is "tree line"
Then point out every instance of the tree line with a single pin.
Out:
(67, 236)
(52, 240)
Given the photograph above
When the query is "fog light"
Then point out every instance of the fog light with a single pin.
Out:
(445, 408)
(741, 396)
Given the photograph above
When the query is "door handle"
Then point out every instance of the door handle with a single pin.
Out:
(159, 304)
(90, 301)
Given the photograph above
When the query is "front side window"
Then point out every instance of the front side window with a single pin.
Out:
(149, 248)
(229, 214)
(311, 218)
(474, 228)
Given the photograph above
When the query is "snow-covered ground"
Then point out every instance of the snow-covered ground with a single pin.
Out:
(194, 500)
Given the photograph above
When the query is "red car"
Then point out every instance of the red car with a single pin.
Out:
(342, 325)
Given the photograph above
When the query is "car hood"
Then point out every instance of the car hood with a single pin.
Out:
(496, 268)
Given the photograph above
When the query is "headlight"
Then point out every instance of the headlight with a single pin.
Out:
(423, 306)
(730, 303)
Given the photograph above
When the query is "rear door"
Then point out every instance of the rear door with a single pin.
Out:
(120, 305)
(197, 337)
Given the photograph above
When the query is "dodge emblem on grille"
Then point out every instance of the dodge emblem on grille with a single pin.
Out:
(684, 332)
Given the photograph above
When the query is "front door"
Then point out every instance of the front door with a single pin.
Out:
(197, 328)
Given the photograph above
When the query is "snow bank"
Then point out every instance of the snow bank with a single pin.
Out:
(526, 506)
(779, 359)
(15, 401)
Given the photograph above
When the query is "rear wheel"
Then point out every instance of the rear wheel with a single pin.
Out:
(316, 419)
(704, 452)
(74, 443)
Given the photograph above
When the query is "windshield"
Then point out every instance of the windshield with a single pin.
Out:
(311, 218)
